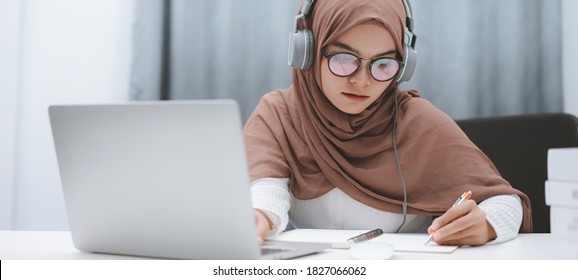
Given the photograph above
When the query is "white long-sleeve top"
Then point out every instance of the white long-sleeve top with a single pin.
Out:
(336, 210)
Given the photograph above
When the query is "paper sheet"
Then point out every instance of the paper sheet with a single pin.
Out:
(401, 242)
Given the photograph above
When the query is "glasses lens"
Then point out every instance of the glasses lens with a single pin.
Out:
(343, 64)
(384, 69)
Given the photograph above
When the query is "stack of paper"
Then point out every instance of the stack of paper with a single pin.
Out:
(562, 194)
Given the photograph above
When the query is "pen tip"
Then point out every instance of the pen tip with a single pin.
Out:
(428, 239)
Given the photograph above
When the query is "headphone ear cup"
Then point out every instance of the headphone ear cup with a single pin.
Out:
(409, 62)
(301, 46)
(409, 57)
(309, 49)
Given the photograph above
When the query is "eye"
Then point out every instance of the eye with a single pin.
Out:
(346, 58)
(383, 64)
(384, 69)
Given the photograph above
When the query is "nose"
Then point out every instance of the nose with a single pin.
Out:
(363, 75)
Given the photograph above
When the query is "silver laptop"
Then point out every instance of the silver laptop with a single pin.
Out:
(164, 179)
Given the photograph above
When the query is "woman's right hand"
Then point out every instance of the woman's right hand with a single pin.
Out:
(264, 225)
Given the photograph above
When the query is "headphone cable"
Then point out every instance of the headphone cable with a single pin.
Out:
(404, 205)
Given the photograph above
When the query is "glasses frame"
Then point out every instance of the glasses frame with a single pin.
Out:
(360, 60)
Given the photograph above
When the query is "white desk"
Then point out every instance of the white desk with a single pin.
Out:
(41, 245)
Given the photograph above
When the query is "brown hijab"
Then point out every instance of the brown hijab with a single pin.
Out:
(298, 134)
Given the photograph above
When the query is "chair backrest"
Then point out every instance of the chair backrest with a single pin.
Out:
(518, 146)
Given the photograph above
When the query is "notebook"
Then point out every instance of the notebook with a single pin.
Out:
(163, 179)
(405, 242)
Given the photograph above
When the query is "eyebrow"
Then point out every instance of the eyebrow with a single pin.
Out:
(350, 48)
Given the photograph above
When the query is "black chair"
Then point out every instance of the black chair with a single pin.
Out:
(518, 146)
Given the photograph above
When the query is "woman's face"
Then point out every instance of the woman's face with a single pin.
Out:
(355, 93)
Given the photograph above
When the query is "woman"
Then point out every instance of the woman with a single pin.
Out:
(345, 148)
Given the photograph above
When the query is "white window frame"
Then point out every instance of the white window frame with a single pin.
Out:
(569, 55)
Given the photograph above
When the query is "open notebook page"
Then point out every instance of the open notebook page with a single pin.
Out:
(405, 242)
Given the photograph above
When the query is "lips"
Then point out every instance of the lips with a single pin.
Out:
(355, 97)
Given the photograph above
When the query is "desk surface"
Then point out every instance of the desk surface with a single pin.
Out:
(41, 245)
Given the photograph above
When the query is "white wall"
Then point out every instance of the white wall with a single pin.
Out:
(570, 55)
(70, 52)
(9, 30)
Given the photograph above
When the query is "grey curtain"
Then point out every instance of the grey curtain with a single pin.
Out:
(489, 57)
(475, 57)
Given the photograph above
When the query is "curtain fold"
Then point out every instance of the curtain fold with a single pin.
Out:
(489, 57)
(475, 57)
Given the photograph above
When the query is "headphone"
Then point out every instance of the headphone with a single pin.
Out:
(302, 45)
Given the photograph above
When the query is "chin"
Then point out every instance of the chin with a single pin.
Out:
(353, 111)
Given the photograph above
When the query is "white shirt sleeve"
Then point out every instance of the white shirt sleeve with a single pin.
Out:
(504, 213)
(271, 195)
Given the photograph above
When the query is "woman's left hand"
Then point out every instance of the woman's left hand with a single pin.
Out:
(464, 224)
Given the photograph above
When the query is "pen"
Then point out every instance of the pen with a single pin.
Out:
(464, 196)
(356, 239)
(366, 236)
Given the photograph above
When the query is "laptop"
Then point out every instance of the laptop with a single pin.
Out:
(163, 179)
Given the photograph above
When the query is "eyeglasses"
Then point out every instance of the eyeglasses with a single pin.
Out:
(344, 64)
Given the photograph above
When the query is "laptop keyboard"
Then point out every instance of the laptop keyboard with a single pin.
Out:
(265, 250)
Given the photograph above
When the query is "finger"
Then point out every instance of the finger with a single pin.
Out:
(261, 236)
(452, 214)
(477, 234)
(471, 240)
(262, 227)
(463, 240)
(467, 220)
(446, 237)
(458, 228)
(470, 229)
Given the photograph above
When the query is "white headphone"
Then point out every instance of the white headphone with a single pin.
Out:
(302, 45)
